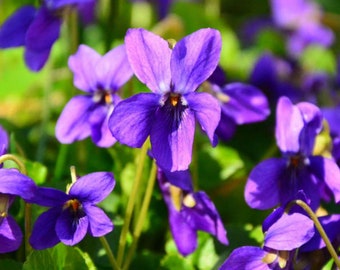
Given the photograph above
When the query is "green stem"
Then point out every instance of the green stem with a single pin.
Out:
(319, 227)
(142, 215)
(109, 253)
(60, 163)
(21, 165)
(131, 202)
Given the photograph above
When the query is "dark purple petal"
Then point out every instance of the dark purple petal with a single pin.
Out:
(194, 59)
(246, 103)
(172, 137)
(207, 112)
(262, 187)
(289, 232)
(71, 229)
(4, 141)
(44, 234)
(312, 118)
(204, 216)
(55, 4)
(331, 225)
(149, 57)
(41, 35)
(246, 258)
(184, 236)
(49, 197)
(181, 179)
(83, 64)
(87, 11)
(218, 77)
(73, 123)
(93, 187)
(99, 222)
(131, 120)
(15, 183)
(35, 60)
(10, 235)
(289, 123)
(13, 30)
(332, 115)
(327, 171)
(226, 127)
(113, 69)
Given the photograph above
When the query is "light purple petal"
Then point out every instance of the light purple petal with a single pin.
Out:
(289, 232)
(10, 235)
(205, 217)
(99, 222)
(44, 234)
(194, 59)
(13, 30)
(99, 121)
(93, 187)
(207, 112)
(289, 123)
(332, 115)
(312, 118)
(15, 183)
(246, 103)
(262, 187)
(71, 229)
(73, 123)
(326, 170)
(49, 197)
(84, 64)
(246, 258)
(113, 69)
(40, 36)
(149, 57)
(131, 120)
(172, 139)
(184, 236)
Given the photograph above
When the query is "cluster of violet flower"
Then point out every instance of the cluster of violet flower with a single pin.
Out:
(173, 72)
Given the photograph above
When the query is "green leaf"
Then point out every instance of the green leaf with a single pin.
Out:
(316, 58)
(175, 261)
(60, 257)
(10, 264)
(37, 171)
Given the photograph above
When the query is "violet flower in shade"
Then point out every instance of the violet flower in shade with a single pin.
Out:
(283, 235)
(72, 214)
(100, 77)
(168, 114)
(278, 180)
(38, 29)
(302, 19)
(189, 211)
(12, 184)
(332, 115)
(240, 104)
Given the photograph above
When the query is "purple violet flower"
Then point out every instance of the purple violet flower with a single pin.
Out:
(168, 113)
(72, 214)
(12, 184)
(284, 234)
(302, 19)
(278, 180)
(100, 77)
(240, 104)
(38, 29)
(189, 211)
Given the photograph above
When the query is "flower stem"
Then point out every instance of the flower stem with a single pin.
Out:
(21, 165)
(109, 253)
(142, 215)
(319, 227)
(131, 202)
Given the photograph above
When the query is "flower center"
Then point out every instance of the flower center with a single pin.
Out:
(174, 99)
(74, 205)
(103, 96)
(281, 257)
(180, 199)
